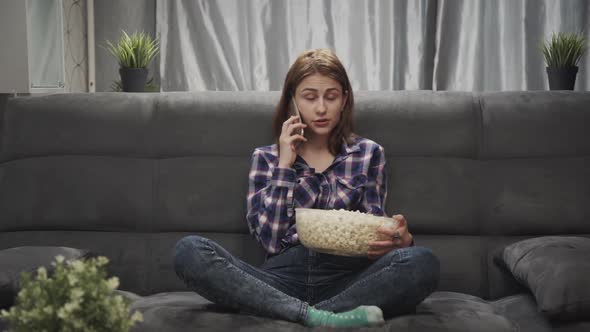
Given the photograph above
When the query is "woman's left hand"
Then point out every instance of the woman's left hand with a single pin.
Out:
(398, 237)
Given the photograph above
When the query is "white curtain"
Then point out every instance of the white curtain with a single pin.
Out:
(470, 45)
(485, 45)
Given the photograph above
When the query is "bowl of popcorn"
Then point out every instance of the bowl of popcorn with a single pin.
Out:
(339, 232)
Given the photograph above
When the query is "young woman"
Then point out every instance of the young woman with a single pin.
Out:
(316, 162)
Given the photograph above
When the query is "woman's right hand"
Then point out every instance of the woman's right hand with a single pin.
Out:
(289, 141)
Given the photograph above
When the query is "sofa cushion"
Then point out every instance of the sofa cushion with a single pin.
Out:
(13, 261)
(555, 269)
(442, 311)
(522, 310)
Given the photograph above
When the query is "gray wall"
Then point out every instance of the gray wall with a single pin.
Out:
(14, 67)
(112, 16)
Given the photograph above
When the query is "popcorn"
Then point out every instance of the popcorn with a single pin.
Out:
(339, 232)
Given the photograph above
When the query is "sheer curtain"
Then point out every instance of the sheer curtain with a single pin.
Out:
(494, 44)
(470, 45)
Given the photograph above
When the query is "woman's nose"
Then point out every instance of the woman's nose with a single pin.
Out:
(321, 106)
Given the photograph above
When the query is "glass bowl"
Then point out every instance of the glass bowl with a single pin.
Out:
(339, 232)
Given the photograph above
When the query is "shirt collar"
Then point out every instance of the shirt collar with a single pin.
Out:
(345, 150)
(349, 148)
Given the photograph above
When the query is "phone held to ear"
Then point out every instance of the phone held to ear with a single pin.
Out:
(295, 111)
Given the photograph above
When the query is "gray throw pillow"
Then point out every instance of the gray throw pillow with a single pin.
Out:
(13, 261)
(556, 269)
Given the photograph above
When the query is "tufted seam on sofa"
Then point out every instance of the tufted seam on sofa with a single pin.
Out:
(479, 130)
(152, 264)
(155, 166)
(480, 146)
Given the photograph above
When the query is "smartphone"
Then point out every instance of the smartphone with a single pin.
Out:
(294, 110)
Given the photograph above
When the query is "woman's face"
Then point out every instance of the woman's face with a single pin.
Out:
(320, 100)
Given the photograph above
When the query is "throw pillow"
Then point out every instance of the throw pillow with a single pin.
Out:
(13, 261)
(556, 270)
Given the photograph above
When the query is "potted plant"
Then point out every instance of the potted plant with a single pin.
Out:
(150, 86)
(77, 297)
(134, 53)
(562, 54)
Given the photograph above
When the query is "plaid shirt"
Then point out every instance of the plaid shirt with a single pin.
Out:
(356, 180)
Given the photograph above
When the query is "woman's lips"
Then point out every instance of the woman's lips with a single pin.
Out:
(321, 123)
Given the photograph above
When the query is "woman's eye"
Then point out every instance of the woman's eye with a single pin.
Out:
(329, 98)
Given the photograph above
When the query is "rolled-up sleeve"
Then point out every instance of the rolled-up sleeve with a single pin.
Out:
(270, 195)
(375, 194)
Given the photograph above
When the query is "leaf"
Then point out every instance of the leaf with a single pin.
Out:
(54, 303)
(134, 51)
(564, 49)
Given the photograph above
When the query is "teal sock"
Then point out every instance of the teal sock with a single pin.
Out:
(359, 317)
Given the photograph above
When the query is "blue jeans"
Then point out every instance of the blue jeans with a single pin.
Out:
(287, 283)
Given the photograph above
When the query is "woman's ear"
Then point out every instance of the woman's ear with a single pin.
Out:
(344, 101)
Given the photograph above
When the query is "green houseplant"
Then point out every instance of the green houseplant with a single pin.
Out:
(562, 54)
(134, 53)
(77, 297)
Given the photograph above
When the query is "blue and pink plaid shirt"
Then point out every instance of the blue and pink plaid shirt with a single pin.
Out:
(356, 180)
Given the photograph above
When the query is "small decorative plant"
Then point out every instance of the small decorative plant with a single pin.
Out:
(564, 49)
(134, 53)
(562, 54)
(77, 297)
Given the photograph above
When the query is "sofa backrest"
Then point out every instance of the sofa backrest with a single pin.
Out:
(127, 175)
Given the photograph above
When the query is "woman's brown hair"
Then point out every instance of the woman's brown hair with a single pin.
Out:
(317, 61)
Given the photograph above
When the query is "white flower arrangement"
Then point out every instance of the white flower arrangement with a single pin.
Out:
(77, 297)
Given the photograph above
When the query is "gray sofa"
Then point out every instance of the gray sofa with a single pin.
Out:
(127, 175)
